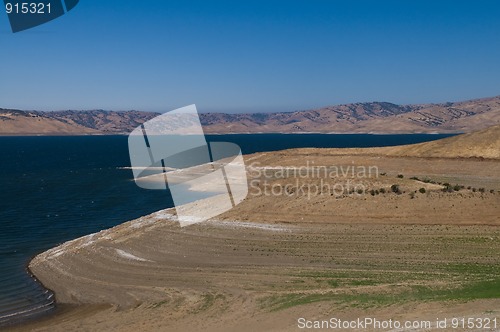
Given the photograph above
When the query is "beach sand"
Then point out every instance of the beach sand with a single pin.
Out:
(274, 259)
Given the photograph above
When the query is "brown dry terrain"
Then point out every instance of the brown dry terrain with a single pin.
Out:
(15, 122)
(226, 276)
(371, 117)
(21, 123)
(420, 241)
(483, 144)
(375, 117)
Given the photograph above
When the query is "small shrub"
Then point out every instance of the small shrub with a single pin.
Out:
(492, 191)
(412, 195)
(360, 191)
(400, 176)
(482, 190)
(422, 190)
(382, 190)
(414, 178)
(395, 189)
(383, 174)
(474, 190)
(449, 188)
(372, 192)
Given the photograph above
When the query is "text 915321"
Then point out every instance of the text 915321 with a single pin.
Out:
(28, 8)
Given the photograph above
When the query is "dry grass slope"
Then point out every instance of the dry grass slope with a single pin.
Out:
(481, 144)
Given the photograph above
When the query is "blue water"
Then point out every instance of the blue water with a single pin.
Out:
(54, 189)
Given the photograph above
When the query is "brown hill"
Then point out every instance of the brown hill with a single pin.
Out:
(375, 117)
(104, 121)
(481, 144)
(15, 122)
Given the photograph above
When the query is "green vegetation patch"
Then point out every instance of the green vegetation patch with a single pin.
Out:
(417, 293)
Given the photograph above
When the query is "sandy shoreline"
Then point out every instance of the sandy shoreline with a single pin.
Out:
(273, 259)
(225, 275)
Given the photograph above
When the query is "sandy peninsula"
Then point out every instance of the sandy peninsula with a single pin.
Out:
(415, 238)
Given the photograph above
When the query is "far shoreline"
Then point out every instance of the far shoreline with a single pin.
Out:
(242, 133)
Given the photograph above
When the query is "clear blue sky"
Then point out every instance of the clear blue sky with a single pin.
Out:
(236, 56)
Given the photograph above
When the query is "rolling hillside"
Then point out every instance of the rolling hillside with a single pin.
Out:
(483, 144)
(374, 117)
(480, 144)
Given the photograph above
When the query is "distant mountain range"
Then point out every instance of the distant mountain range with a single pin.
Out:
(373, 117)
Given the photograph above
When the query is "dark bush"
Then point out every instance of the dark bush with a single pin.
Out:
(395, 189)
(422, 190)
(400, 176)
(382, 190)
